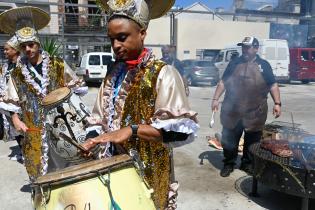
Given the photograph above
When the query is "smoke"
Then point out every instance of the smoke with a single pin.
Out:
(296, 35)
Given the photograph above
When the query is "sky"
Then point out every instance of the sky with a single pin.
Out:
(226, 4)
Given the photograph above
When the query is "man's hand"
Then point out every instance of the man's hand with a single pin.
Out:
(218, 92)
(116, 137)
(18, 124)
(215, 105)
(276, 110)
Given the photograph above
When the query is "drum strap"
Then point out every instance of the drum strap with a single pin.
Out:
(44, 200)
(106, 183)
(35, 74)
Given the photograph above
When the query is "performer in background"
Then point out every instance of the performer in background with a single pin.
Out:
(12, 53)
(35, 75)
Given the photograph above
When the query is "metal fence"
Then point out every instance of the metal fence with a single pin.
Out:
(78, 28)
(81, 28)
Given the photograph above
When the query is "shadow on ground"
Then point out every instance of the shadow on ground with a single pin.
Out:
(15, 150)
(268, 198)
(26, 188)
(214, 158)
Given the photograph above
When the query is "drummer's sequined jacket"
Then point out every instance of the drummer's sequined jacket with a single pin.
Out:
(151, 93)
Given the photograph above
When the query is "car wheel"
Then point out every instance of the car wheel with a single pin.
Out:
(189, 81)
(214, 83)
(305, 81)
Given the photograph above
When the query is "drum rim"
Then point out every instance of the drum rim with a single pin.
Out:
(57, 102)
(110, 164)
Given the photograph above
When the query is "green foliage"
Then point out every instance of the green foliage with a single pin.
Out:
(51, 46)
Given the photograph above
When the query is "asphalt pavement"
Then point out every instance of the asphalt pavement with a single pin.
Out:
(197, 165)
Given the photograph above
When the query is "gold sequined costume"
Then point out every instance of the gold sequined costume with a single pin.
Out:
(153, 91)
(33, 113)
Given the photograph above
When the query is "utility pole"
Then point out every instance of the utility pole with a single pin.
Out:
(173, 38)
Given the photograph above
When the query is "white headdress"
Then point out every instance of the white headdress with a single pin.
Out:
(141, 11)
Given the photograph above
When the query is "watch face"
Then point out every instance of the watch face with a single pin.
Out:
(134, 129)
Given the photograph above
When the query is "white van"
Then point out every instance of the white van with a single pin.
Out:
(93, 66)
(275, 51)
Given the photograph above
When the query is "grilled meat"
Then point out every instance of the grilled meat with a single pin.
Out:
(277, 147)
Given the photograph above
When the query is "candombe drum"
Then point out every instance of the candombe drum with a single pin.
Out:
(108, 184)
(65, 122)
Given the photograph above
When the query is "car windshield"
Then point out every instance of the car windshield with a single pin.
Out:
(94, 60)
(203, 63)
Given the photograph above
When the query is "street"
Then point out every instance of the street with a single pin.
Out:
(197, 165)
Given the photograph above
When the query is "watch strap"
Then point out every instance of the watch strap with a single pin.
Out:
(134, 129)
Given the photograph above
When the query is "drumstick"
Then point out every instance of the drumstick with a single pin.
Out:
(74, 143)
(33, 130)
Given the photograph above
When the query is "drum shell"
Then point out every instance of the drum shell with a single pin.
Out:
(127, 187)
(76, 112)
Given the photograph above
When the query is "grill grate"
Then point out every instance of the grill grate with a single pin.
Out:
(267, 155)
(303, 155)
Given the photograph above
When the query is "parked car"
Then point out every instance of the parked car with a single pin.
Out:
(93, 66)
(302, 64)
(200, 71)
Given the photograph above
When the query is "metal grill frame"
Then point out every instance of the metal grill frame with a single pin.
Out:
(279, 174)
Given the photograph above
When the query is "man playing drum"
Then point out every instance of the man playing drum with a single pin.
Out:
(36, 74)
(142, 102)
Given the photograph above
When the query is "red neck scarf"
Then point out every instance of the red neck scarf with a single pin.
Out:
(134, 63)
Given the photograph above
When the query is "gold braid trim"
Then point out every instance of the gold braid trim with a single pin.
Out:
(56, 74)
(138, 109)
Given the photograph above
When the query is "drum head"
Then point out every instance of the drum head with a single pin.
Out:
(56, 96)
(84, 170)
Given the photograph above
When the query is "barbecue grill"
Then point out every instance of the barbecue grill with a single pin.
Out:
(292, 175)
(283, 130)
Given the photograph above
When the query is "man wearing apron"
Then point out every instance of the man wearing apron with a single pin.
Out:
(246, 83)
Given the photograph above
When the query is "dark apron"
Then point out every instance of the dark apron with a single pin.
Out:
(245, 98)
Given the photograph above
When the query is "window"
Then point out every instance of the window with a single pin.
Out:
(305, 55)
(94, 60)
(106, 59)
(231, 54)
(187, 63)
(270, 53)
(203, 63)
(282, 54)
(313, 55)
(220, 57)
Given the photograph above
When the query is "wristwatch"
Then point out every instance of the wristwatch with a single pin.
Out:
(278, 103)
(134, 129)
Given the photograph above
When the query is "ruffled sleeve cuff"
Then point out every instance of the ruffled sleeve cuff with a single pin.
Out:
(95, 128)
(6, 108)
(183, 125)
